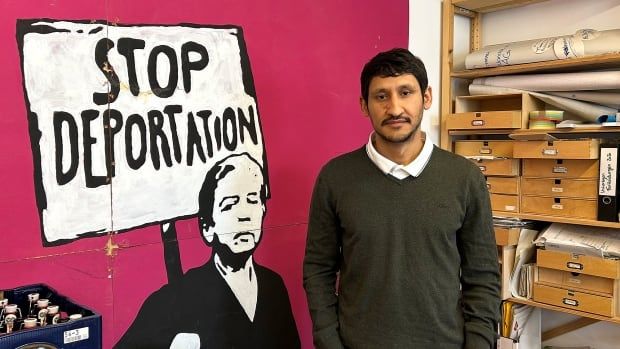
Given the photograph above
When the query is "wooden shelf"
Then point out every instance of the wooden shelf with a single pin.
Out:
(605, 61)
(550, 134)
(564, 310)
(484, 6)
(556, 219)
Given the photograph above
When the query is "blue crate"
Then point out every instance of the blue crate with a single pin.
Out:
(83, 333)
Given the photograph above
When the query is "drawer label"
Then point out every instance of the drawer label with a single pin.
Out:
(573, 265)
(571, 302)
(559, 169)
(557, 206)
(510, 208)
(477, 122)
(574, 281)
(550, 151)
(485, 150)
(557, 190)
(482, 168)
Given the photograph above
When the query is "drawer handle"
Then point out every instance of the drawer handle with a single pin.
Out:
(488, 186)
(574, 265)
(550, 151)
(571, 302)
(477, 122)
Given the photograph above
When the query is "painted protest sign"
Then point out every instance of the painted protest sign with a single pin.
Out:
(126, 120)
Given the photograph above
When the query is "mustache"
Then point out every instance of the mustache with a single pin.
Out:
(396, 118)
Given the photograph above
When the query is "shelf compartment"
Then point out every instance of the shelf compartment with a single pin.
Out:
(498, 167)
(560, 168)
(567, 188)
(575, 300)
(573, 149)
(561, 207)
(480, 112)
(595, 62)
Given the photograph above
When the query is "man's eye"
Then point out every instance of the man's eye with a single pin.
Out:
(252, 200)
(405, 93)
(381, 97)
(228, 203)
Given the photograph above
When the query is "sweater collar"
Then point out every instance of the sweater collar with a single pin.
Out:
(398, 171)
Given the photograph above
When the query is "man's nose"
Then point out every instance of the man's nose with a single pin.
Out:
(394, 107)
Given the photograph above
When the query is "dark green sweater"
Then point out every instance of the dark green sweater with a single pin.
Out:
(417, 257)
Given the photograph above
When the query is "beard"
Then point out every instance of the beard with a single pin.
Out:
(398, 138)
(236, 261)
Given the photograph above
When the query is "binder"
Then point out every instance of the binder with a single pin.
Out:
(608, 183)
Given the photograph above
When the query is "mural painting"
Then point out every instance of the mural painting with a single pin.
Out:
(134, 127)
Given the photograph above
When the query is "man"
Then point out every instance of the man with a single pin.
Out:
(231, 301)
(405, 227)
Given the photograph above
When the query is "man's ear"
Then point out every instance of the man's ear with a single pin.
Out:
(428, 98)
(364, 106)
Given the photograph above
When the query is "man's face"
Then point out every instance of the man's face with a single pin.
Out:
(395, 106)
(238, 210)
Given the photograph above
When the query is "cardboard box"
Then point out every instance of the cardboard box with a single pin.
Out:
(83, 333)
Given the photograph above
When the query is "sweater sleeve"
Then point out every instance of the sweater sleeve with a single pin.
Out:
(480, 277)
(321, 264)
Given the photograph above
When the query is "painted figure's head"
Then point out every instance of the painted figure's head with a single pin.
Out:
(232, 208)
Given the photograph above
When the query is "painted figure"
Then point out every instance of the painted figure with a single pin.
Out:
(231, 301)
(406, 229)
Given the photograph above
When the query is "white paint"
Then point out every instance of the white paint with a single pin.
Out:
(61, 75)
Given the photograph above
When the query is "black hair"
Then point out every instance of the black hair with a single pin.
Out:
(395, 62)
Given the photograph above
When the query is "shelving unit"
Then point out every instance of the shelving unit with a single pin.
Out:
(452, 82)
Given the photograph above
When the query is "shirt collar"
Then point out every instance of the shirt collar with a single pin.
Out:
(388, 166)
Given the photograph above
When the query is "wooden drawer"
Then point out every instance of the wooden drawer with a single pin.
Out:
(575, 300)
(505, 203)
(503, 185)
(579, 149)
(506, 111)
(556, 206)
(560, 168)
(506, 236)
(574, 281)
(575, 188)
(484, 120)
(589, 265)
(501, 149)
(498, 167)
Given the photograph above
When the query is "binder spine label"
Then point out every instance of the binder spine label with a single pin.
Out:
(608, 171)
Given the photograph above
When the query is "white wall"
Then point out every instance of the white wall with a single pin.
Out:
(425, 42)
(554, 17)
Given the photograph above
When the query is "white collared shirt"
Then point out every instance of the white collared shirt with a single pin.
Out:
(242, 283)
(398, 171)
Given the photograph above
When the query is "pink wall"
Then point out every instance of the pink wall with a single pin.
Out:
(306, 57)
